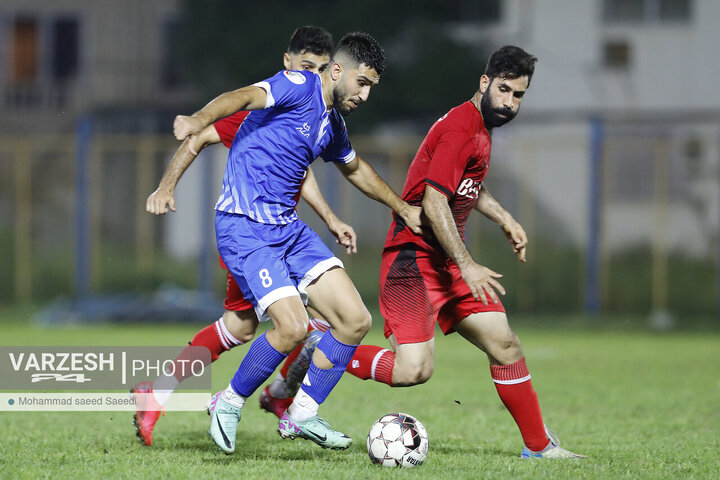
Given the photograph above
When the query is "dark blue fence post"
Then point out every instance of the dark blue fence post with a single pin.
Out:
(82, 206)
(592, 270)
(207, 233)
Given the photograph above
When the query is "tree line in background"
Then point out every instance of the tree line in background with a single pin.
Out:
(221, 45)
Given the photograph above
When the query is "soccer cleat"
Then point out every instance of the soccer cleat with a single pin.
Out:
(224, 420)
(298, 369)
(148, 412)
(272, 404)
(315, 429)
(553, 450)
(212, 401)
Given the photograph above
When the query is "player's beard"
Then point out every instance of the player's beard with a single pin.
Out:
(494, 117)
(339, 97)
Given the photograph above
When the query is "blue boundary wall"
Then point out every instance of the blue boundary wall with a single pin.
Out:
(592, 268)
(82, 207)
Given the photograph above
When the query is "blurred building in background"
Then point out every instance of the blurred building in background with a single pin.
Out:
(612, 165)
(64, 58)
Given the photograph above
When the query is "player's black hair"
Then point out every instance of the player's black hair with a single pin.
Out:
(362, 48)
(311, 39)
(511, 62)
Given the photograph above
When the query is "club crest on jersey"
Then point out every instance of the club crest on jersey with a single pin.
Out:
(469, 188)
(295, 77)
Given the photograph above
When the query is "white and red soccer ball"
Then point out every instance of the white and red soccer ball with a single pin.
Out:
(397, 440)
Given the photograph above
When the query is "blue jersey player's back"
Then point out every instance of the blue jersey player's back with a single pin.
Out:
(274, 147)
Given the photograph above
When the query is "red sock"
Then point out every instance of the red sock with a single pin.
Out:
(313, 324)
(215, 337)
(516, 392)
(372, 362)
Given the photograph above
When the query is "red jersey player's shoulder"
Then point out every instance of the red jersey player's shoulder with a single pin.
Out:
(228, 127)
(464, 118)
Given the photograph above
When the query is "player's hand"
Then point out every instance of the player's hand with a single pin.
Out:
(159, 201)
(184, 126)
(482, 282)
(344, 235)
(517, 238)
(412, 217)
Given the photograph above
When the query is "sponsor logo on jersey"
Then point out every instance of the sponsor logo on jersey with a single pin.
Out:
(295, 77)
(469, 188)
(304, 130)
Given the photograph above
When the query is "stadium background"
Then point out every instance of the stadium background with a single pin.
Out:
(612, 167)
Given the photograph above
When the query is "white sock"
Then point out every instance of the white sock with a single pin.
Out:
(277, 387)
(233, 398)
(303, 407)
(163, 387)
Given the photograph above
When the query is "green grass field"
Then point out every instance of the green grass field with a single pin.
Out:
(639, 404)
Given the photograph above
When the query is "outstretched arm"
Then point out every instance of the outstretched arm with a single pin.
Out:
(491, 208)
(162, 198)
(481, 280)
(246, 98)
(366, 179)
(343, 232)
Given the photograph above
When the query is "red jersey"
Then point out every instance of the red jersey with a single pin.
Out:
(453, 159)
(226, 129)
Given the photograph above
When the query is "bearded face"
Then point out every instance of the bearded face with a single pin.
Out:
(494, 116)
(353, 88)
(501, 99)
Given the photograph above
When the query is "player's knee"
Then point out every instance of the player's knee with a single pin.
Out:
(360, 326)
(354, 325)
(241, 325)
(293, 331)
(412, 374)
(507, 348)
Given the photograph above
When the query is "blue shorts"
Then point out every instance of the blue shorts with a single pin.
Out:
(270, 262)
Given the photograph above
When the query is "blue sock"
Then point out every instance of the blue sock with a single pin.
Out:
(259, 363)
(323, 381)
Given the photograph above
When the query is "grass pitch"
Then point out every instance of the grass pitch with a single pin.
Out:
(639, 404)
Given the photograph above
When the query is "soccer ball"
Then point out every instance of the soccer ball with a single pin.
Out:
(397, 440)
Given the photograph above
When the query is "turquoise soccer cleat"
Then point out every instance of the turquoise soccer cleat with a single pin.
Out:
(224, 420)
(315, 429)
(212, 402)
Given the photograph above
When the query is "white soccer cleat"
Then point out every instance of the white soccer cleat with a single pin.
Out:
(553, 450)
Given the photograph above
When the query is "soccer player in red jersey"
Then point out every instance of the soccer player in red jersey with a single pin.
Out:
(309, 49)
(432, 277)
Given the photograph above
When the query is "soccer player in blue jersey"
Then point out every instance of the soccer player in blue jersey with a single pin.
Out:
(276, 259)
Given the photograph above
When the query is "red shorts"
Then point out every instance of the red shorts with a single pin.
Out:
(234, 299)
(417, 288)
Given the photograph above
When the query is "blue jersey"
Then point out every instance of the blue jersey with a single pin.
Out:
(274, 147)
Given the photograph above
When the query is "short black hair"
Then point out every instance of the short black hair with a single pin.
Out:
(311, 39)
(363, 49)
(510, 62)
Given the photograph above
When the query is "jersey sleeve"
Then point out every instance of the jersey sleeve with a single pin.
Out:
(448, 162)
(287, 88)
(227, 127)
(339, 150)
